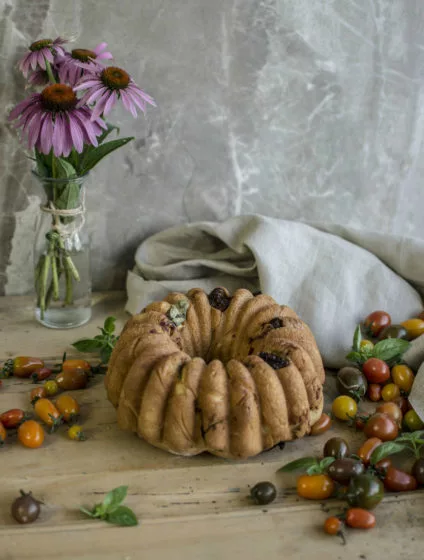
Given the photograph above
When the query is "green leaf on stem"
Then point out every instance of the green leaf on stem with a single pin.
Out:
(391, 348)
(87, 345)
(385, 449)
(109, 325)
(326, 462)
(300, 464)
(105, 354)
(64, 169)
(357, 337)
(123, 516)
(115, 497)
(93, 157)
(355, 357)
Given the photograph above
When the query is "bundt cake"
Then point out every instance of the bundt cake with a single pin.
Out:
(233, 376)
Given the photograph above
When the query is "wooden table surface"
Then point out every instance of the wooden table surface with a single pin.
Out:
(189, 508)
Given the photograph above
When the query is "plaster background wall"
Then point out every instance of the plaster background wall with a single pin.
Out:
(300, 109)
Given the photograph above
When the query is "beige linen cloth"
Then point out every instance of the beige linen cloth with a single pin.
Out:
(332, 276)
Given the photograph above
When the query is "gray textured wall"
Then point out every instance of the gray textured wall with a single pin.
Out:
(304, 109)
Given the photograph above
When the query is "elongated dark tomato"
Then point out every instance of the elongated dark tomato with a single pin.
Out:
(359, 518)
(399, 481)
(12, 418)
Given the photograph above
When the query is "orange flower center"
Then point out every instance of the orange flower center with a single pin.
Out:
(115, 78)
(41, 44)
(83, 54)
(58, 97)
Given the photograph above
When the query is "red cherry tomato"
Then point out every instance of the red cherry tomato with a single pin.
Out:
(392, 410)
(376, 322)
(321, 425)
(367, 448)
(38, 393)
(22, 366)
(12, 418)
(3, 434)
(374, 392)
(399, 481)
(376, 371)
(41, 374)
(359, 518)
(381, 426)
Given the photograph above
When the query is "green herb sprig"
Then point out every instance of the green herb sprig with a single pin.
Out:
(111, 510)
(311, 465)
(410, 442)
(389, 350)
(102, 343)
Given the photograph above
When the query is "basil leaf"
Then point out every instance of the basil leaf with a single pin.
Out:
(315, 469)
(390, 348)
(326, 462)
(93, 157)
(87, 512)
(385, 449)
(87, 345)
(114, 498)
(305, 463)
(109, 325)
(105, 353)
(355, 357)
(357, 337)
(123, 516)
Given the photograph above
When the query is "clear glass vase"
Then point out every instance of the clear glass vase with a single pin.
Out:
(62, 276)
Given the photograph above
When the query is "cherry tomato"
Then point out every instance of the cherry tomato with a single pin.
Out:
(366, 344)
(352, 382)
(336, 447)
(394, 331)
(344, 407)
(376, 371)
(403, 377)
(418, 471)
(70, 365)
(392, 410)
(75, 432)
(376, 322)
(72, 379)
(22, 366)
(31, 434)
(421, 315)
(263, 493)
(342, 470)
(315, 486)
(48, 413)
(41, 374)
(3, 434)
(412, 421)
(51, 387)
(382, 466)
(359, 518)
(321, 425)
(333, 526)
(381, 426)
(12, 418)
(68, 407)
(390, 392)
(414, 327)
(374, 392)
(403, 404)
(38, 393)
(367, 448)
(365, 491)
(360, 423)
(399, 481)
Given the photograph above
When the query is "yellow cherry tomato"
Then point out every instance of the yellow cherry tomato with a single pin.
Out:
(75, 432)
(344, 408)
(403, 377)
(390, 392)
(51, 388)
(315, 486)
(414, 327)
(68, 407)
(412, 421)
(366, 345)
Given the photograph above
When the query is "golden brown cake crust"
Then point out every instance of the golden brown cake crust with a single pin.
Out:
(234, 376)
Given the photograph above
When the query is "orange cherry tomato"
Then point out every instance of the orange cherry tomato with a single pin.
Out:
(403, 377)
(414, 327)
(376, 322)
(76, 364)
(48, 413)
(31, 434)
(359, 518)
(392, 410)
(315, 486)
(22, 366)
(399, 481)
(3, 434)
(381, 426)
(12, 418)
(367, 448)
(68, 407)
(374, 392)
(321, 425)
(390, 392)
(41, 374)
(333, 526)
(38, 393)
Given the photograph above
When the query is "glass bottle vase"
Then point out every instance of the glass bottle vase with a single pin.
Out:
(62, 276)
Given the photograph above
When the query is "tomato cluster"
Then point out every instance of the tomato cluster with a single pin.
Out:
(30, 427)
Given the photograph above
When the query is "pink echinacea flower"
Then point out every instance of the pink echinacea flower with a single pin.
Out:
(39, 52)
(73, 65)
